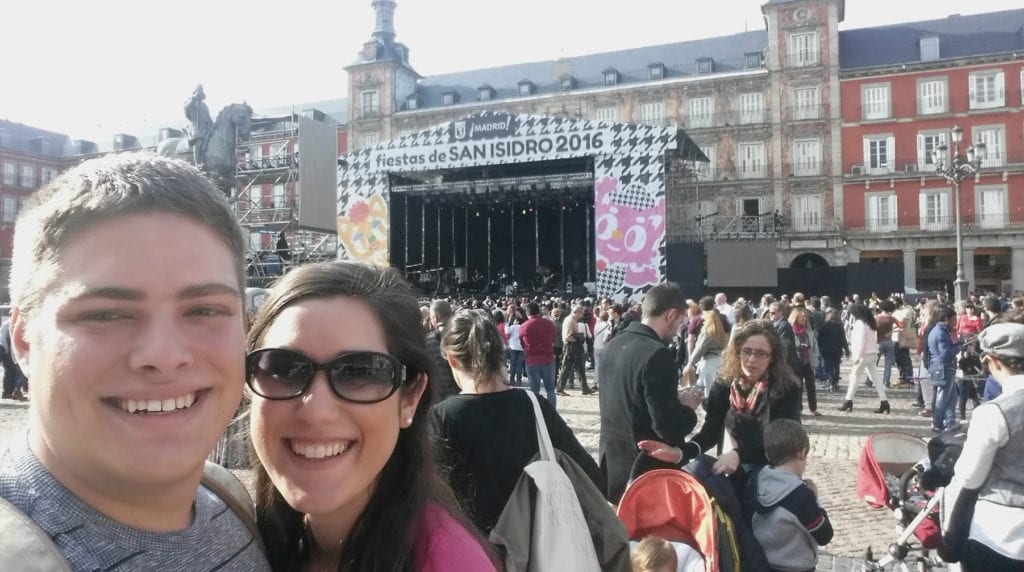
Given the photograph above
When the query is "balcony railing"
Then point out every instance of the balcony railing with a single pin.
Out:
(290, 160)
(803, 59)
(806, 112)
(995, 160)
(807, 168)
(736, 227)
(726, 118)
(876, 111)
(939, 223)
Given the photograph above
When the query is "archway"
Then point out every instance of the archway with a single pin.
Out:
(809, 260)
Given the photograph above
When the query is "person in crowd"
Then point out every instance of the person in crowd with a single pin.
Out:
(992, 308)
(813, 306)
(755, 386)
(970, 323)
(990, 470)
(743, 315)
(602, 333)
(806, 354)
(764, 310)
(516, 358)
(127, 289)
(341, 429)
(779, 312)
(707, 351)
(14, 378)
(782, 507)
(654, 554)
(538, 336)
(904, 337)
(639, 400)
(694, 323)
(864, 353)
(942, 354)
(558, 319)
(487, 432)
(885, 323)
(574, 335)
(441, 375)
(833, 346)
(925, 391)
(725, 309)
(498, 317)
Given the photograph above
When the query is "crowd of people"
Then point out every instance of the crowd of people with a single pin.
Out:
(392, 434)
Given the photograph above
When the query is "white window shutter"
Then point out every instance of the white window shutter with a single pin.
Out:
(972, 90)
(890, 153)
(945, 213)
(867, 153)
(1000, 94)
(922, 152)
(923, 207)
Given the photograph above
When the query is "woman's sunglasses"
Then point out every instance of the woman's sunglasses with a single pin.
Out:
(357, 377)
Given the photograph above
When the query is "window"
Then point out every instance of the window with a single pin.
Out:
(485, 93)
(803, 49)
(10, 174)
(992, 210)
(413, 102)
(706, 212)
(699, 112)
(406, 133)
(48, 175)
(448, 98)
(875, 101)
(754, 59)
(807, 157)
(928, 141)
(879, 154)
(935, 210)
(609, 114)
(280, 196)
(370, 140)
(611, 77)
(751, 108)
(807, 213)
(568, 83)
(28, 176)
(929, 48)
(752, 161)
(881, 211)
(705, 66)
(370, 102)
(707, 172)
(652, 113)
(931, 96)
(656, 71)
(525, 88)
(806, 103)
(994, 137)
(255, 153)
(255, 240)
(256, 196)
(10, 209)
(987, 89)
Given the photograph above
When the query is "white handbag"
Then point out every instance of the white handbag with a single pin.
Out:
(560, 540)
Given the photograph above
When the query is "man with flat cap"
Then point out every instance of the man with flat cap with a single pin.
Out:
(991, 466)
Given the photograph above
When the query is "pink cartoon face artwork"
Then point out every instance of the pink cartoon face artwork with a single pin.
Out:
(629, 227)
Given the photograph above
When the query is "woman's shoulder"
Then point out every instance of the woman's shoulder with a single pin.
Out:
(445, 544)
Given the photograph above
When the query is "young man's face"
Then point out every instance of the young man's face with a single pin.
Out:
(135, 355)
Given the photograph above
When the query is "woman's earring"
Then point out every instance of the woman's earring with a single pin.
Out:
(408, 421)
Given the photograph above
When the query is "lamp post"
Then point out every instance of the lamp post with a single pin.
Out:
(955, 169)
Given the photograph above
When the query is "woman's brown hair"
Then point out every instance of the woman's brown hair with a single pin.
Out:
(780, 374)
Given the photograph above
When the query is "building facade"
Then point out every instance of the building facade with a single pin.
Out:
(904, 88)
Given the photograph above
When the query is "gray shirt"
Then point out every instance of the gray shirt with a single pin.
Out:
(216, 539)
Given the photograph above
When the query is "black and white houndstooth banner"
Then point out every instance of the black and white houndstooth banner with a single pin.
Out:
(629, 184)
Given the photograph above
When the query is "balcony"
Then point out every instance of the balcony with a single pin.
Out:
(803, 59)
(752, 171)
(726, 119)
(737, 227)
(876, 112)
(806, 112)
(940, 224)
(994, 161)
(806, 168)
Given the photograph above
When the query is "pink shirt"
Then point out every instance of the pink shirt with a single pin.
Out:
(445, 545)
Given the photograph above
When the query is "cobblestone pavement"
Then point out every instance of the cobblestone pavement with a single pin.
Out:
(836, 442)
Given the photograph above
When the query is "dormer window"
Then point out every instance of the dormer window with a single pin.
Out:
(567, 82)
(705, 66)
(611, 76)
(413, 102)
(656, 71)
(754, 59)
(526, 87)
(449, 97)
(929, 48)
(485, 93)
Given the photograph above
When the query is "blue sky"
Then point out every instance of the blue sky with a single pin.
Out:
(95, 68)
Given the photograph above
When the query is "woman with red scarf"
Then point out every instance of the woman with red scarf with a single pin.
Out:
(755, 386)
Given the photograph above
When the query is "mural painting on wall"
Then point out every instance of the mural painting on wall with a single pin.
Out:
(628, 173)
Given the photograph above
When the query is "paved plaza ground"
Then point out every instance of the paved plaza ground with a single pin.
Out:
(836, 442)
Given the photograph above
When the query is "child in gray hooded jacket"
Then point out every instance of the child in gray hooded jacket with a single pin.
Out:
(783, 507)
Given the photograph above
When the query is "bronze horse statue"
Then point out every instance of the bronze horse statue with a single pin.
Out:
(233, 124)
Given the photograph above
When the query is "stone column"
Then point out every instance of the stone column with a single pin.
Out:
(969, 268)
(1017, 267)
(909, 268)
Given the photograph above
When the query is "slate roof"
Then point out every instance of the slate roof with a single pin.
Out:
(336, 110)
(679, 59)
(959, 36)
(20, 138)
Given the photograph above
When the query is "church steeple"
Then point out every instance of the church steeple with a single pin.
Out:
(384, 30)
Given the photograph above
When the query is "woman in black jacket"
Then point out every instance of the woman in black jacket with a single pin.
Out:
(832, 346)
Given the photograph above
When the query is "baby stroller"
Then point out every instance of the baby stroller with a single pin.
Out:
(697, 511)
(914, 495)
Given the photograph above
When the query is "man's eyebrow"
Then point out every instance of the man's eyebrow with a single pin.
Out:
(208, 289)
(110, 293)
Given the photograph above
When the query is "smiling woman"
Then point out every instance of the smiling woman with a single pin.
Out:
(338, 372)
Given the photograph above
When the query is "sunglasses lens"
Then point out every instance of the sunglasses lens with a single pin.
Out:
(364, 377)
(278, 374)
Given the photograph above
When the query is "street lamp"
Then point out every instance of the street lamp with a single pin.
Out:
(957, 168)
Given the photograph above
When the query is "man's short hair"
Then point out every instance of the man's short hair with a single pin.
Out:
(826, 301)
(992, 304)
(783, 440)
(706, 304)
(662, 298)
(102, 189)
(532, 309)
(440, 311)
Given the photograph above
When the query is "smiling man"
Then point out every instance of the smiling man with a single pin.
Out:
(126, 288)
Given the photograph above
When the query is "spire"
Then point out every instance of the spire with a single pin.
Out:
(384, 30)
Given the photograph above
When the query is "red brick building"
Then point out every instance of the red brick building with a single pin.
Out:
(903, 88)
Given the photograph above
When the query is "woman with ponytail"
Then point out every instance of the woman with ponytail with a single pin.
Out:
(487, 432)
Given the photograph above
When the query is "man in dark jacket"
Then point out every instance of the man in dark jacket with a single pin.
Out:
(785, 330)
(639, 399)
(441, 376)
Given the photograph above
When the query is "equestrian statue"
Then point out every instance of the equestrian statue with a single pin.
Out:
(211, 145)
